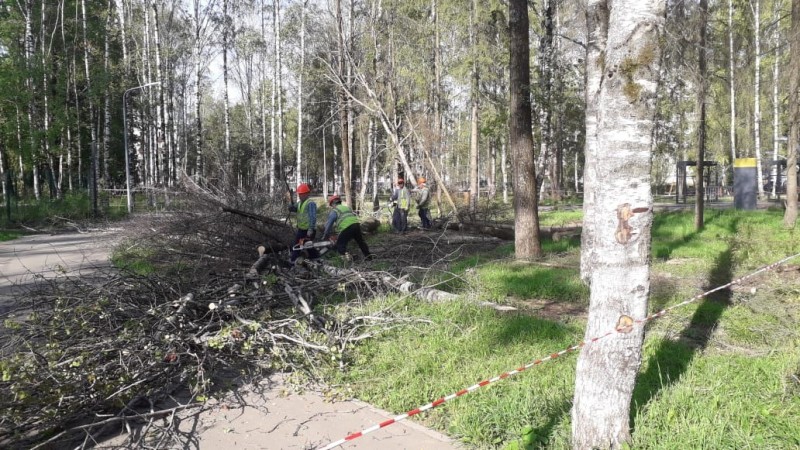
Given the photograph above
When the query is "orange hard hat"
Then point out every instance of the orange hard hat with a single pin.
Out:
(303, 188)
(401, 181)
(420, 180)
(333, 198)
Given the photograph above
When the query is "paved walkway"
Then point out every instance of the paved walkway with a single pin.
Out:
(269, 417)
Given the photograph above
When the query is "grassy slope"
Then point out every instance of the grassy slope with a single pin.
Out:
(719, 373)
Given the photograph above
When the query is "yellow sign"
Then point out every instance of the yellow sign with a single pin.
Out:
(744, 162)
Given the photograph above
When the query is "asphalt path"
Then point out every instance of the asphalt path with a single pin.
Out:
(29, 261)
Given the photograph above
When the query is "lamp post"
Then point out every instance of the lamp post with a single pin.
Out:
(125, 140)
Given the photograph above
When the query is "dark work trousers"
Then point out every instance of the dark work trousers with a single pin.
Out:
(400, 220)
(351, 232)
(425, 217)
(312, 252)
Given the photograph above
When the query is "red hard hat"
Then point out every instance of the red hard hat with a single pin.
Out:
(332, 199)
(303, 188)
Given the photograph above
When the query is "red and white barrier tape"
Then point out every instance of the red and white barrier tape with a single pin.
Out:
(583, 343)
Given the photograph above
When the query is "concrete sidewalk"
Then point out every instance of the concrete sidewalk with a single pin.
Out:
(271, 417)
(263, 416)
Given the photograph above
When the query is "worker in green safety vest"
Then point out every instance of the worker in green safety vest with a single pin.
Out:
(401, 200)
(344, 222)
(306, 210)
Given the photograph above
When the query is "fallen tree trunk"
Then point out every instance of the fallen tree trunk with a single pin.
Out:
(506, 232)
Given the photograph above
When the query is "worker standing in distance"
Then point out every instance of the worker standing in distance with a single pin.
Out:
(306, 210)
(423, 198)
(344, 222)
(401, 200)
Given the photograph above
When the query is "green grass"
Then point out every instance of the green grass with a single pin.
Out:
(8, 235)
(722, 372)
(71, 207)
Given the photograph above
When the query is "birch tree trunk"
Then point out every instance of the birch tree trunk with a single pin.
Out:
(279, 77)
(198, 73)
(107, 101)
(520, 137)
(300, 91)
(343, 102)
(622, 67)
(757, 98)
(775, 100)
(702, 89)
(793, 144)
(226, 164)
(92, 124)
(731, 60)
(274, 111)
(161, 107)
(474, 188)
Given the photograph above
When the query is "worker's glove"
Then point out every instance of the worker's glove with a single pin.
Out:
(394, 204)
(310, 234)
(333, 239)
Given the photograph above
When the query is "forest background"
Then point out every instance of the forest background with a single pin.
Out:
(348, 95)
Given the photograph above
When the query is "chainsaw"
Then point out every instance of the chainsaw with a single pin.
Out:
(309, 245)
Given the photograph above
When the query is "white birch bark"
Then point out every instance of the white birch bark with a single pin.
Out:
(757, 97)
(45, 51)
(92, 125)
(622, 69)
(731, 60)
(226, 165)
(474, 189)
(106, 176)
(274, 110)
(279, 82)
(300, 91)
(163, 139)
(793, 144)
(504, 170)
(775, 100)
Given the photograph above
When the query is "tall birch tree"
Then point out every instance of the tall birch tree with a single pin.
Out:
(622, 67)
(757, 97)
(793, 145)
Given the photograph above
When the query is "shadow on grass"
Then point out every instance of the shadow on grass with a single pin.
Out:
(662, 222)
(672, 358)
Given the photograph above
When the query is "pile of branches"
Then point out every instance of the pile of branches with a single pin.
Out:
(85, 356)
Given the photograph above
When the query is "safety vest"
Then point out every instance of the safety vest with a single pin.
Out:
(404, 199)
(345, 217)
(303, 221)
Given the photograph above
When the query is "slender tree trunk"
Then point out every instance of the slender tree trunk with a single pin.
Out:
(274, 109)
(757, 98)
(279, 76)
(198, 73)
(731, 61)
(92, 123)
(120, 8)
(702, 88)
(262, 103)
(300, 90)
(520, 137)
(107, 101)
(46, 96)
(618, 212)
(474, 188)
(793, 144)
(226, 165)
(775, 100)
(342, 103)
(504, 169)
